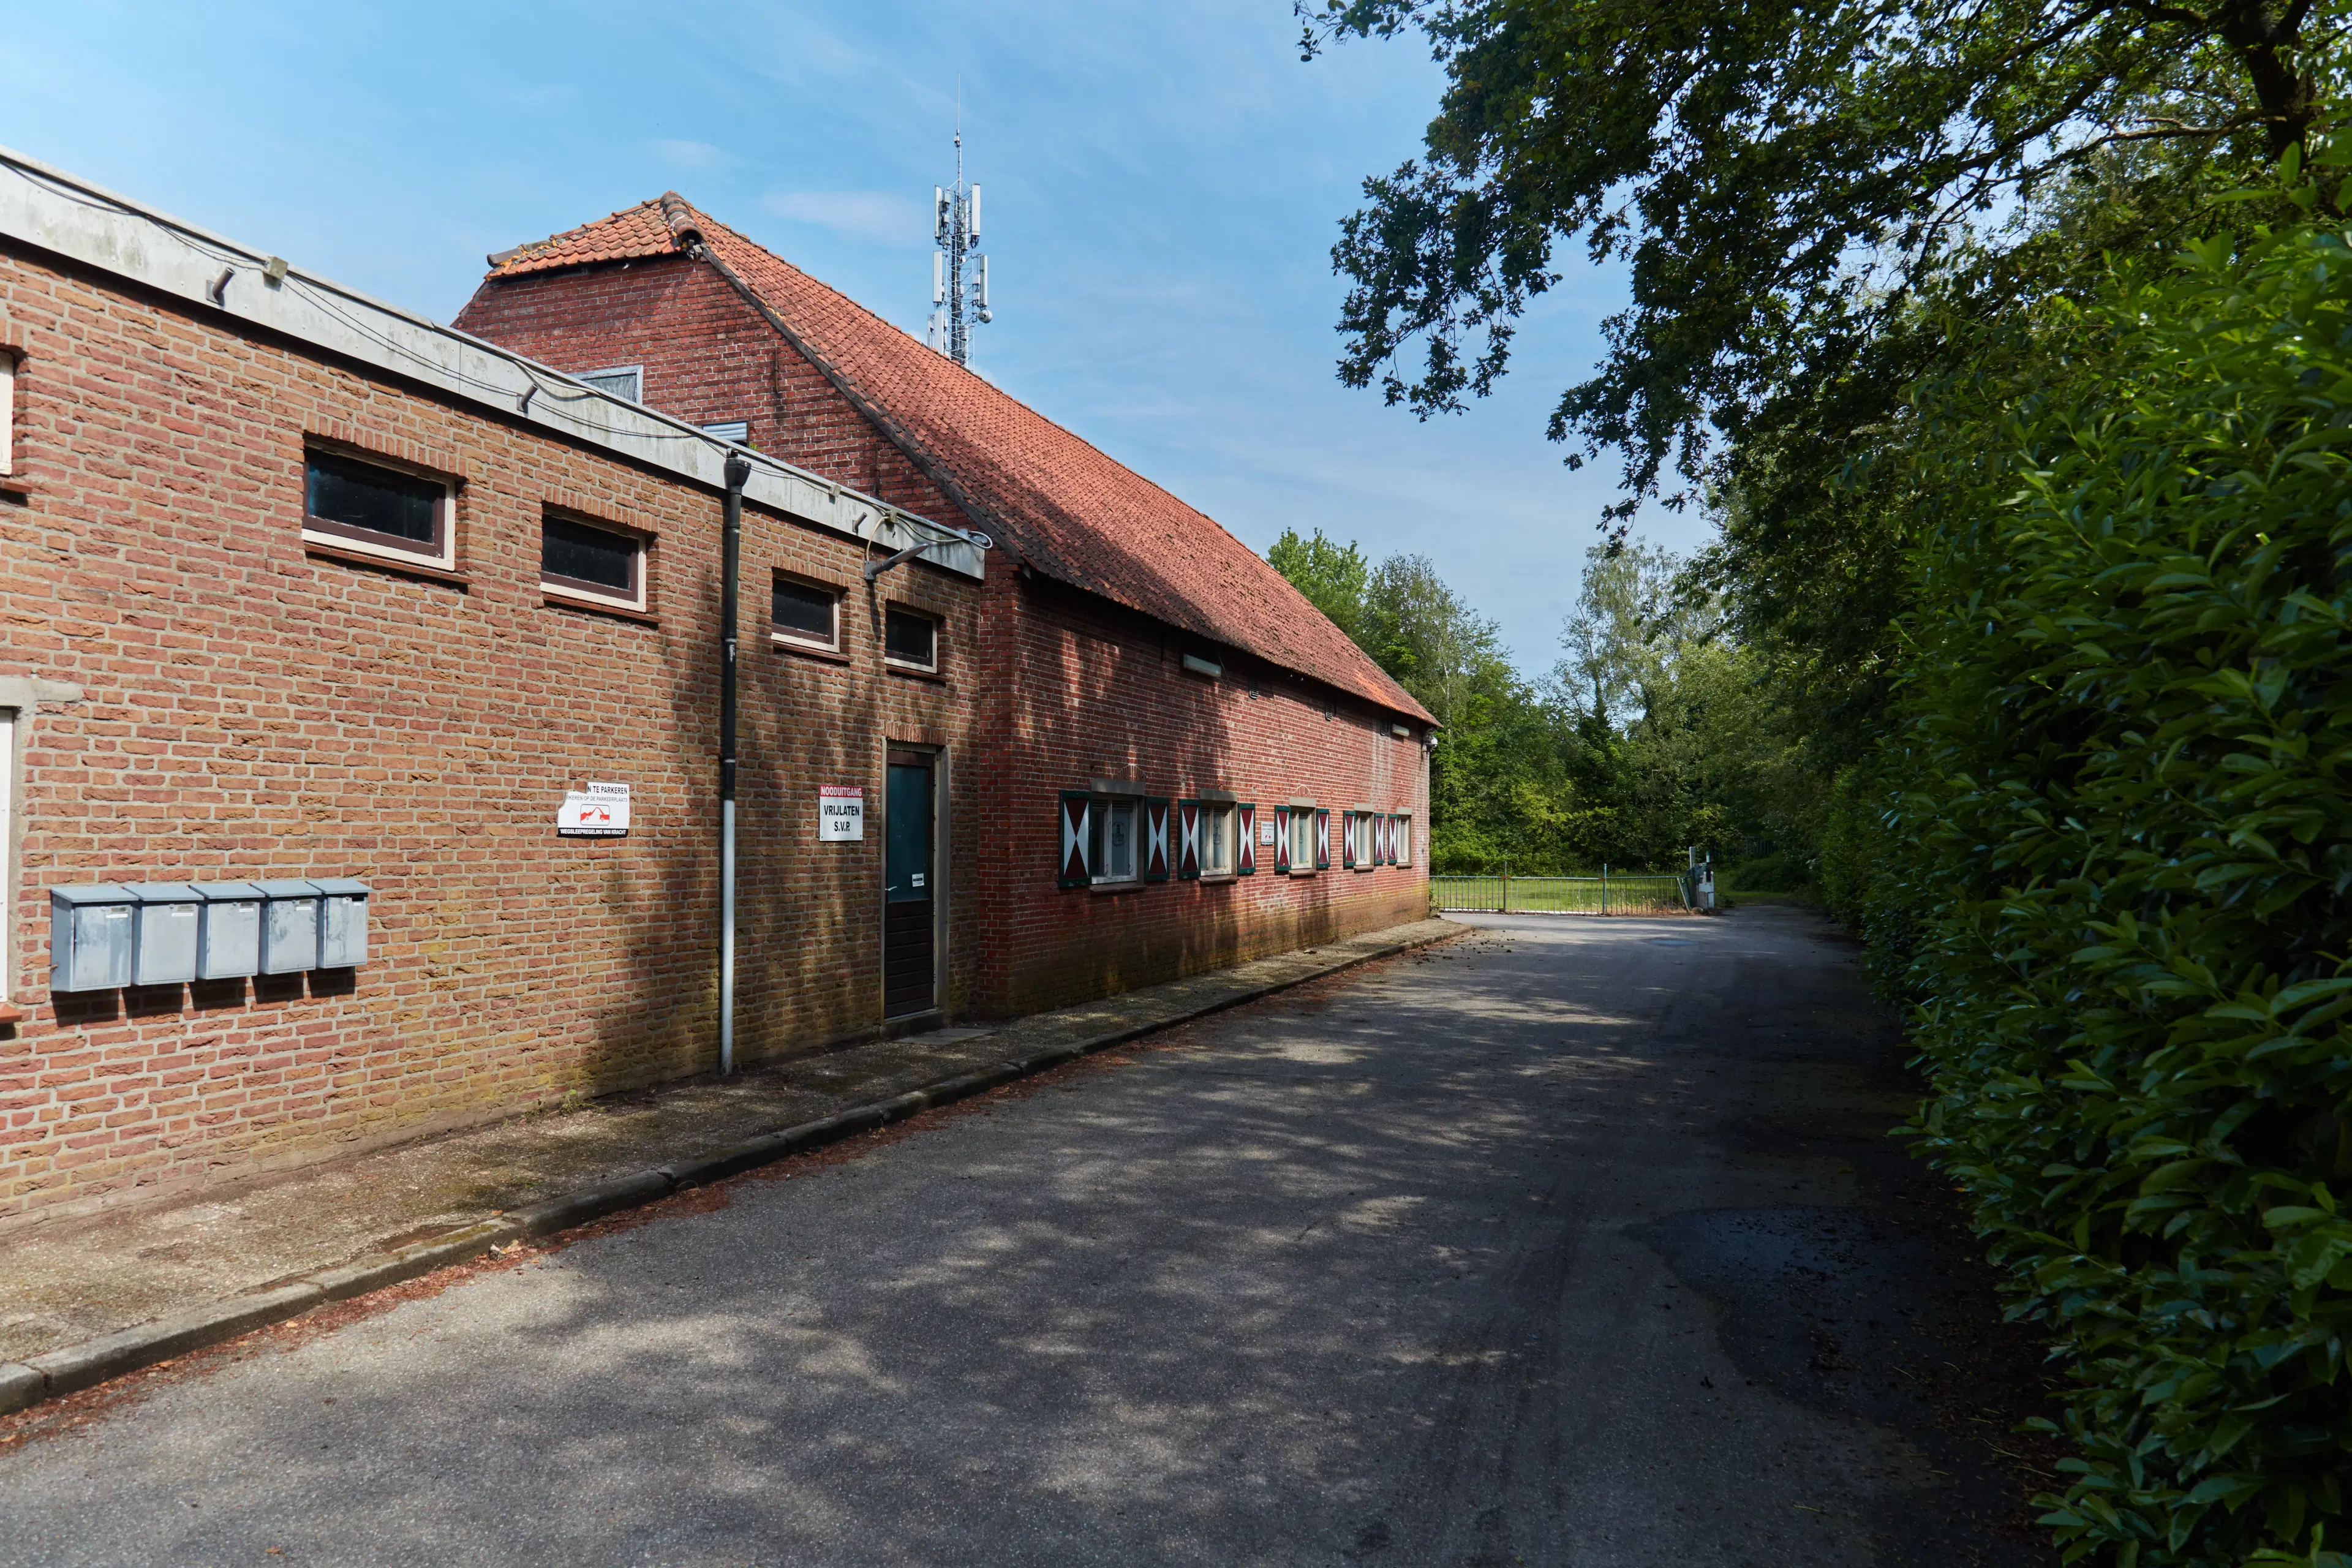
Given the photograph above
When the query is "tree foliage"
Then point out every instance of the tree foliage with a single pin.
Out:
(1780, 181)
(1653, 734)
(2114, 850)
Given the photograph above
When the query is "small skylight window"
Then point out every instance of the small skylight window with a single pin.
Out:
(736, 430)
(621, 381)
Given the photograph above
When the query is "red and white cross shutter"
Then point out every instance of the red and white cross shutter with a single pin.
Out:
(1155, 840)
(1244, 839)
(1347, 839)
(1188, 838)
(1077, 840)
(1322, 840)
(1282, 838)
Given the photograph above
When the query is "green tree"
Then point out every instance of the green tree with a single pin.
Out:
(1781, 180)
(1330, 576)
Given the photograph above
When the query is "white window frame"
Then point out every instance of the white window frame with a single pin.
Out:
(636, 373)
(1302, 839)
(801, 639)
(1105, 806)
(8, 412)
(1215, 826)
(1404, 838)
(574, 590)
(894, 662)
(444, 560)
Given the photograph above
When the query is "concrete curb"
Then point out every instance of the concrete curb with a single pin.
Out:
(75, 1367)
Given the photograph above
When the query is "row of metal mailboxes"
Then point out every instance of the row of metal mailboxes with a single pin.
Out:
(108, 934)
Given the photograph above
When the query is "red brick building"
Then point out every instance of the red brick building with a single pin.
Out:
(206, 678)
(1133, 650)
(296, 585)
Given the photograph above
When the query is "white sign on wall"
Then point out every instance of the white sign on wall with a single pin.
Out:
(840, 812)
(600, 811)
(1265, 829)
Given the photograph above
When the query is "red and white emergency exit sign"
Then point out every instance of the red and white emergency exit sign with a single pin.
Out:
(840, 812)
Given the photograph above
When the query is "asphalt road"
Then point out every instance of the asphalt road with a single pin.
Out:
(1575, 1242)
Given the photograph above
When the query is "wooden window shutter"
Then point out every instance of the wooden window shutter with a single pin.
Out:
(1322, 839)
(1188, 838)
(1347, 839)
(1077, 838)
(1388, 840)
(1245, 839)
(1155, 840)
(1281, 839)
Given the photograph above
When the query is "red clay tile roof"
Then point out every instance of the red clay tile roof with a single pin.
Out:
(1072, 512)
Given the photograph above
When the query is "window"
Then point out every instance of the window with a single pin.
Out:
(7, 412)
(622, 381)
(1302, 839)
(736, 430)
(1404, 840)
(1363, 842)
(909, 639)
(807, 614)
(1114, 858)
(1216, 840)
(377, 509)
(581, 561)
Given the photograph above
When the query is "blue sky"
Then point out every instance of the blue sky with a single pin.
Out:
(1163, 183)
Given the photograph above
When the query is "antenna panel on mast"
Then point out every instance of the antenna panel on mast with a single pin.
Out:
(959, 272)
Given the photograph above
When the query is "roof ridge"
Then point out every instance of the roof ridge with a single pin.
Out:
(498, 259)
(731, 233)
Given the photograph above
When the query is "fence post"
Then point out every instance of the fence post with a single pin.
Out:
(1503, 907)
(1604, 887)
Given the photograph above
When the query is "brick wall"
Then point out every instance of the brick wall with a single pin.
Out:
(1104, 695)
(251, 710)
(1074, 686)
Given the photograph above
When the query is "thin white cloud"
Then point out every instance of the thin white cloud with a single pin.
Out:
(689, 155)
(884, 217)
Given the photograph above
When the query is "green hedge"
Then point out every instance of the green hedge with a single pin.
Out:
(2111, 857)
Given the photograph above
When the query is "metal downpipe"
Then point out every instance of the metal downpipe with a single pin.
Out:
(738, 472)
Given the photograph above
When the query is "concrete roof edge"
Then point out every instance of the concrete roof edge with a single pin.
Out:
(69, 217)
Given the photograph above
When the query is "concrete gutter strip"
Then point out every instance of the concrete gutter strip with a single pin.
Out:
(92, 1362)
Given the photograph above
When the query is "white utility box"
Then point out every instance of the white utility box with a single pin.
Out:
(290, 926)
(163, 937)
(228, 943)
(89, 936)
(343, 921)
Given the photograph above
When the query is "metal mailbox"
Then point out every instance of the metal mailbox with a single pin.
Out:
(164, 935)
(89, 936)
(290, 926)
(228, 942)
(343, 921)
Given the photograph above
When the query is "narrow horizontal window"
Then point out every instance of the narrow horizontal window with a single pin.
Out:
(910, 638)
(622, 381)
(381, 511)
(583, 560)
(736, 430)
(807, 613)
